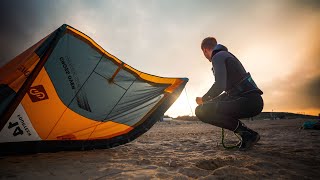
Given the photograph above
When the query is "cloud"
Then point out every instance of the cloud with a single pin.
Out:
(23, 23)
(300, 90)
(15, 31)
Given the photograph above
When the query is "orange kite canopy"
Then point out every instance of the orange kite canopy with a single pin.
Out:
(67, 93)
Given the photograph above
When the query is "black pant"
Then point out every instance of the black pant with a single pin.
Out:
(225, 111)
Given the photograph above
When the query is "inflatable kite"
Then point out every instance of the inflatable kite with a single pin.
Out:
(67, 93)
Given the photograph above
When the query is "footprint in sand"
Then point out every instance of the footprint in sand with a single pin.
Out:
(208, 165)
(213, 164)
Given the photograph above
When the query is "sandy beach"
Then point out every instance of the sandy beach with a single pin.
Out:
(183, 150)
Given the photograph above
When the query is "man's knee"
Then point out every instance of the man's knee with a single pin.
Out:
(198, 111)
(201, 114)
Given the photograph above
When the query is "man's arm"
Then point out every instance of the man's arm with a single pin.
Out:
(219, 61)
(210, 94)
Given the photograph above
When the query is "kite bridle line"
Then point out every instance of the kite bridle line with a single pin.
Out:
(185, 90)
(231, 146)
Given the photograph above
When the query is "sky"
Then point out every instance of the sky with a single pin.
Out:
(277, 41)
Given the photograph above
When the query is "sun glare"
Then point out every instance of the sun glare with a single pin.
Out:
(182, 106)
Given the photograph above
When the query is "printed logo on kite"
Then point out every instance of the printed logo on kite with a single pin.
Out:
(37, 93)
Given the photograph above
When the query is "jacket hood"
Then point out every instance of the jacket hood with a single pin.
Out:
(218, 48)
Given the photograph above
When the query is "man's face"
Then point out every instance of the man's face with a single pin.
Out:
(207, 53)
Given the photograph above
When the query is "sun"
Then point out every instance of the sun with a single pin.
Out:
(182, 106)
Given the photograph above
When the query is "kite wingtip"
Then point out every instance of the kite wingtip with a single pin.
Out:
(185, 79)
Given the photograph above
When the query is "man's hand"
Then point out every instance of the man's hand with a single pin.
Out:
(199, 100)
